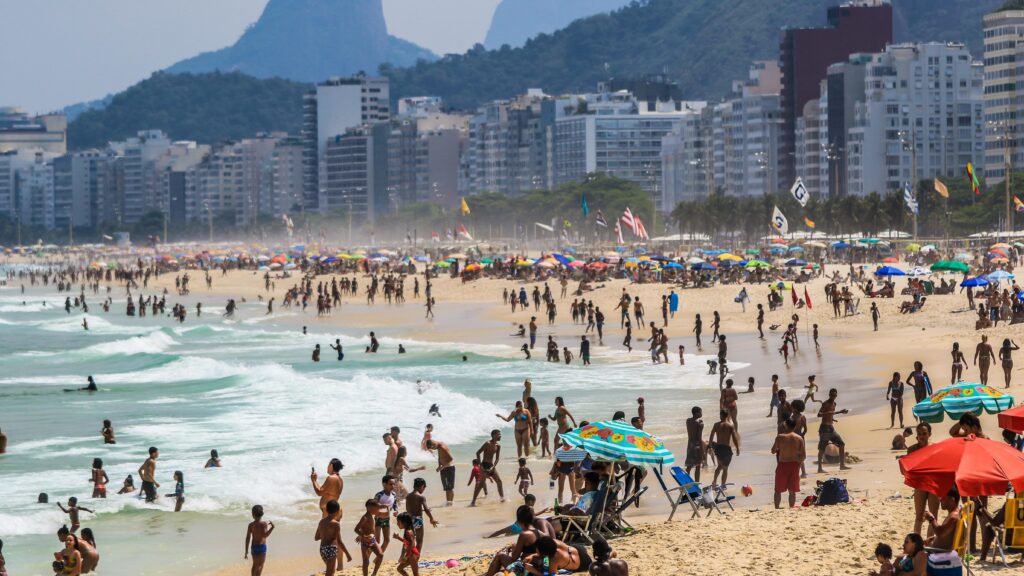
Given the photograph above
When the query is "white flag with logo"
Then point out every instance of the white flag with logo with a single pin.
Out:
(799, 191)
(779, 222)
(908, 197)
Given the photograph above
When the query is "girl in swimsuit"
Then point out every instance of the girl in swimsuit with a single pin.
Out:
(522, 419)
(70, 556)
(1006, 358)
(894, 394)
(410, 553)
(958, 363)
(99, 479)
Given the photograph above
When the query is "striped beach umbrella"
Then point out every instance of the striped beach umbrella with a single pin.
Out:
(615, 441)
(961, 398)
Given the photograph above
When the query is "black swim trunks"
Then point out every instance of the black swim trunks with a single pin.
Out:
(723, 453)
(827, 434)
(448, 478)
(149, 489)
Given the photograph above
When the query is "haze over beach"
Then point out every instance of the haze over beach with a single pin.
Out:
(666, 287)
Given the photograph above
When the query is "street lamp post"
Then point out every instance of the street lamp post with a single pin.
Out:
(1004, 132)
(913, 168)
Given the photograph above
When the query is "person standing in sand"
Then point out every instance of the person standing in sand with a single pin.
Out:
(489, 454)
(723, 437)
(446, 467)
(983, 355)
(920, 382)
(729, 398)
(958, 363)
(416, 506)
(328, 533)
(1006, 358)
(790, 452)
(827, 432)
(256, 540)
(332, 486)
(894, 394)
(694, 442)
(562, 416)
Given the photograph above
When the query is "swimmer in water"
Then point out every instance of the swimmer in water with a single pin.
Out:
(337, 348)
(401, 349)
(435, 410)
(90, 388)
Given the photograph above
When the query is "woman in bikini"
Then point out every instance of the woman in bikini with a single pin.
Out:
(562, 417)
(70, 557)
(554, 556)
(959, 362)
(894, 394)
(982, 358)
(99, 479)
(1006, 358)
(521, 416)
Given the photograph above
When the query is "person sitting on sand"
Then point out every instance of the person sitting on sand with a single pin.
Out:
(605, 562)
(526, 543)
(914, 561)
(899, 441)
(553, 556)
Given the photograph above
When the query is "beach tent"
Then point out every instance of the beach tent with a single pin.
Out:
(889, 271)
(976, 466)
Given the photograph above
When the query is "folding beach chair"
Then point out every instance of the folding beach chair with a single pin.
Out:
(954, 562)
(711, 496)
(579, 527)
(614, 524)
(685, 494)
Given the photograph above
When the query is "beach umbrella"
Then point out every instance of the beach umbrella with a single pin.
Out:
(275, 265)
(961, 398)
(796, 248)
(442, 264)
(695, 260)
(732, 257)
(731, 263)
(811, 266)
(913, 247)
(290, 266)
(458, 256)
(918, 271)
(752, 251)
(890, 260)
(974, 281)
(263, 268)
(963, 257)
(869, 241)
(976, 466)
(999, 276)
(703, 266)
(546, 264)
(1000, 260)
(472, 267)
(796, 262)
(576, 264)
(616, 441)
(561, 259)
(840, 245)
(421, 258)
(1002, 245)
(673, 266)
(889, 271)
(777, 249)
(814, 244)
(928, 248)
(758, 264)
(949, 266)
(779, 241)
(1012, 420)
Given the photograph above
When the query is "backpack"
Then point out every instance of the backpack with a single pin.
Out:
(832, 491)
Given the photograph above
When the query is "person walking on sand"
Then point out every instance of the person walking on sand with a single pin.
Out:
(489, 454)
(875, 315)
(256, 540)
(760, 321)
(827, 431)
(328, 534)
(716, 323)
(790, 452)
(697, 327)
(1006, 358)
(959, 362)
(983, 356)
(894, 394)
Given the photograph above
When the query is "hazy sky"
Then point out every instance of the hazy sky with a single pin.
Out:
(59, 52)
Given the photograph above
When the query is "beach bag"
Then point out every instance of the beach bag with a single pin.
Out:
(832, 491)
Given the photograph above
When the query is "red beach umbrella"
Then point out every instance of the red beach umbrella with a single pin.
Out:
(976, 466)
(1012, 420)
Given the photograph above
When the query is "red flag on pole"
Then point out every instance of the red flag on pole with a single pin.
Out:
(793, 292)
(807, 299)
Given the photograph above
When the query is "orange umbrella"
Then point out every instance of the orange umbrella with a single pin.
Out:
(976, 466)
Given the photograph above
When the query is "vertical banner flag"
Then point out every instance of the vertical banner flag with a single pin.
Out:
(463, 233)
(975, 185)
(941, 188)
(807, 299)
(464, 207)
(599, 219)
(799, 191)
(809, 222)
(1018, 204)
(618, 232)
(583, 202)
(779, 222)
(434, 236)
(908, 197)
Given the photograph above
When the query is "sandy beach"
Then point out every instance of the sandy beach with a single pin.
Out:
(754, 539)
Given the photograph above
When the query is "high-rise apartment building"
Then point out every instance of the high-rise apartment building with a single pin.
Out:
(1004, 91)
(806, 53)
(329, 110)
(355, 169)
(21, 131)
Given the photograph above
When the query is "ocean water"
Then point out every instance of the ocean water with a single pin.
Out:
(247, 388)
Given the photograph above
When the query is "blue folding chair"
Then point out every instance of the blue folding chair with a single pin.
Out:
(709, 496)
(685, 494)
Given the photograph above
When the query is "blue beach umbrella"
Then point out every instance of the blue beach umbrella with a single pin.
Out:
(702, 266)
(796, 262)
(889, 271)
(999, 276)
(617, 441)
(673, 266)
(840, 245)
(561, 259)
(422, 258)
(974, 282)
(778, 250)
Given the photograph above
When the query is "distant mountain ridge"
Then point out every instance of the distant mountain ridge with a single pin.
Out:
(311, 40)
(516, 21)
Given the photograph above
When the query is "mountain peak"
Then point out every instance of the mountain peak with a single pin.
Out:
(311, 40)
(516, 21)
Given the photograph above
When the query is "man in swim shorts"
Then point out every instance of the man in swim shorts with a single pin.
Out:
(790, 452)
(723, 436)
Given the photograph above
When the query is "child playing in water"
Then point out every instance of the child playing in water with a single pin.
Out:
(545, 449)
(256, 539)
(524, 477)
(72, 511)
(364, 535)
(682, 360)
(427, 432)
(179, 490)
(410, 557)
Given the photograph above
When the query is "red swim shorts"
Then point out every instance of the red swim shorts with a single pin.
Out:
(787, 477)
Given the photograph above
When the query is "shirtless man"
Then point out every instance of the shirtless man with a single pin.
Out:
(332, 486)
(392, 451)
(945, 531)
(446, 466)
(416, 506)
(489, 454)
(729, 399)
(694, 442)
(827, 431)
(983, 355)
(723, 437)
(785, 409)
(790, 452)
(147, 472)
